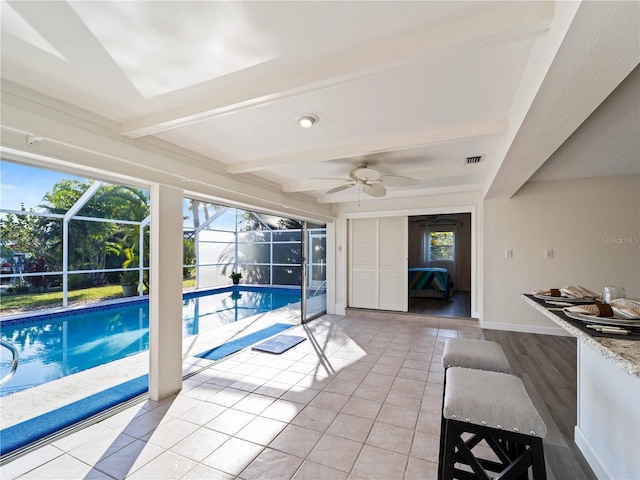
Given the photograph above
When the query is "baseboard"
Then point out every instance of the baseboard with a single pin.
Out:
(523, 328)
(340, 309)
(590, 455)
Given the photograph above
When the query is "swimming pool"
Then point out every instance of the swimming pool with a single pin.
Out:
(52, 346)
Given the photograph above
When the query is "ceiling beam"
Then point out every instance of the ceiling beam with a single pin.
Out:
(599, 50)
(441, 172)
(513, 23)
(400, 141)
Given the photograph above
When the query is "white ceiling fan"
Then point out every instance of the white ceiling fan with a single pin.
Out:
(372, 182)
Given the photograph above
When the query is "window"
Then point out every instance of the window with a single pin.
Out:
(441, 246)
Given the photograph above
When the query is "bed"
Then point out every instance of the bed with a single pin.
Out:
(430, 282)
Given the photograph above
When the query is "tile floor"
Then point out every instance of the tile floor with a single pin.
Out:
(360, 399)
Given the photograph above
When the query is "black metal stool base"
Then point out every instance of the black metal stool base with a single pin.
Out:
(516, 453)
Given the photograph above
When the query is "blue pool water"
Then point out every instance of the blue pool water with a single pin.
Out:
(53, 346)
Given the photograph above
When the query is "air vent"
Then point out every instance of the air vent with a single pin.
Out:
(474, 159)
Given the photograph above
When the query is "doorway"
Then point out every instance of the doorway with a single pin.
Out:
(440, 265)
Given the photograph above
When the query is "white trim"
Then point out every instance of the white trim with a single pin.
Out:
(590, 455)
(525, 328)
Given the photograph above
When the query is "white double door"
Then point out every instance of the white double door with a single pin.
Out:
(378, 256)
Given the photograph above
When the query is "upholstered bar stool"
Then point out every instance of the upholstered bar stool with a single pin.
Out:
(496, 408)
(478, 354)
(470, 353)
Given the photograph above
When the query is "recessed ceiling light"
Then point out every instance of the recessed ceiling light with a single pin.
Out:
(307, 120)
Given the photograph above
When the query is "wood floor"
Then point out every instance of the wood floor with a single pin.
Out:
(459, 305)
(547, 366)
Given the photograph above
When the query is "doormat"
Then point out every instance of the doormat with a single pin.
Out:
(279, 344)
(236, 345)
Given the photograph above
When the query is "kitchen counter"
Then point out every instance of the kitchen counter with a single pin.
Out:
(623, 353)
(608, 428)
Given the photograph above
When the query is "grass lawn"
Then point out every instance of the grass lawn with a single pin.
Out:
(24, 302)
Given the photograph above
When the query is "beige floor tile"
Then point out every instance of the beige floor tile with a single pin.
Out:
(296, 440)
(390, 360)
(261, 430)
(61, 467)
(166, 465)
(405, 399)
(429, 423)
(204, 391)
(385, 369)
(399, 416)
(315, 471)
(272, 389)
(272, 465)
(201, 472)
(329, 401)
(230, 421)
(200, 444)
(436, 377)
(128, 460)
(228, 397)
(202, 414)
(351, 427)
(267, 373)
(233, 456)
(101, 447)
(379, 379)
(391, 437)
(426, 447)
(376, 463)
(362, 407)
(248, 384)
(170, 433)
(419, 469)
(341, 386)
(372, 392)
(142, 425)
(254, 403)
(315, 418)
(29, 462)
(414, 374)
(282, 410)
(288, 377)
(335, 452)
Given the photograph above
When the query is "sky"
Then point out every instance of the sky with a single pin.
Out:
(19, 183)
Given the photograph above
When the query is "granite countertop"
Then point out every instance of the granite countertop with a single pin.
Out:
(625, 354)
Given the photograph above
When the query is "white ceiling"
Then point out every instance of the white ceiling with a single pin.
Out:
(410, 87)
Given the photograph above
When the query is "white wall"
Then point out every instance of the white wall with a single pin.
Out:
(593, 227)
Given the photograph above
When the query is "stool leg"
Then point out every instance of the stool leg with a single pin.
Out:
(537, 459)
(442, 427)
(448, 452)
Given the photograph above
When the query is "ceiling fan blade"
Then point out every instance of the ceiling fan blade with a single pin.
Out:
(340, 188)
(398, 181)
(375, 190)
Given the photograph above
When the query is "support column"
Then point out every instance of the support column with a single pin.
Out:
(165, 292)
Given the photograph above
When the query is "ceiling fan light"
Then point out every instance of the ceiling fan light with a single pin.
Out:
(307, 120)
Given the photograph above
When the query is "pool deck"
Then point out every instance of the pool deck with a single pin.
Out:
(50, 396)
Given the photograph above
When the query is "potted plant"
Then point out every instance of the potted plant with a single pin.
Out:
(129, 278)
(235, 277)
(129, 283)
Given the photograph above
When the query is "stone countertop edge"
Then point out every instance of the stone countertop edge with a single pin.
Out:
(625, 354)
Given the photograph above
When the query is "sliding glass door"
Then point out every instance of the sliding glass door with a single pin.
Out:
(314, 266)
